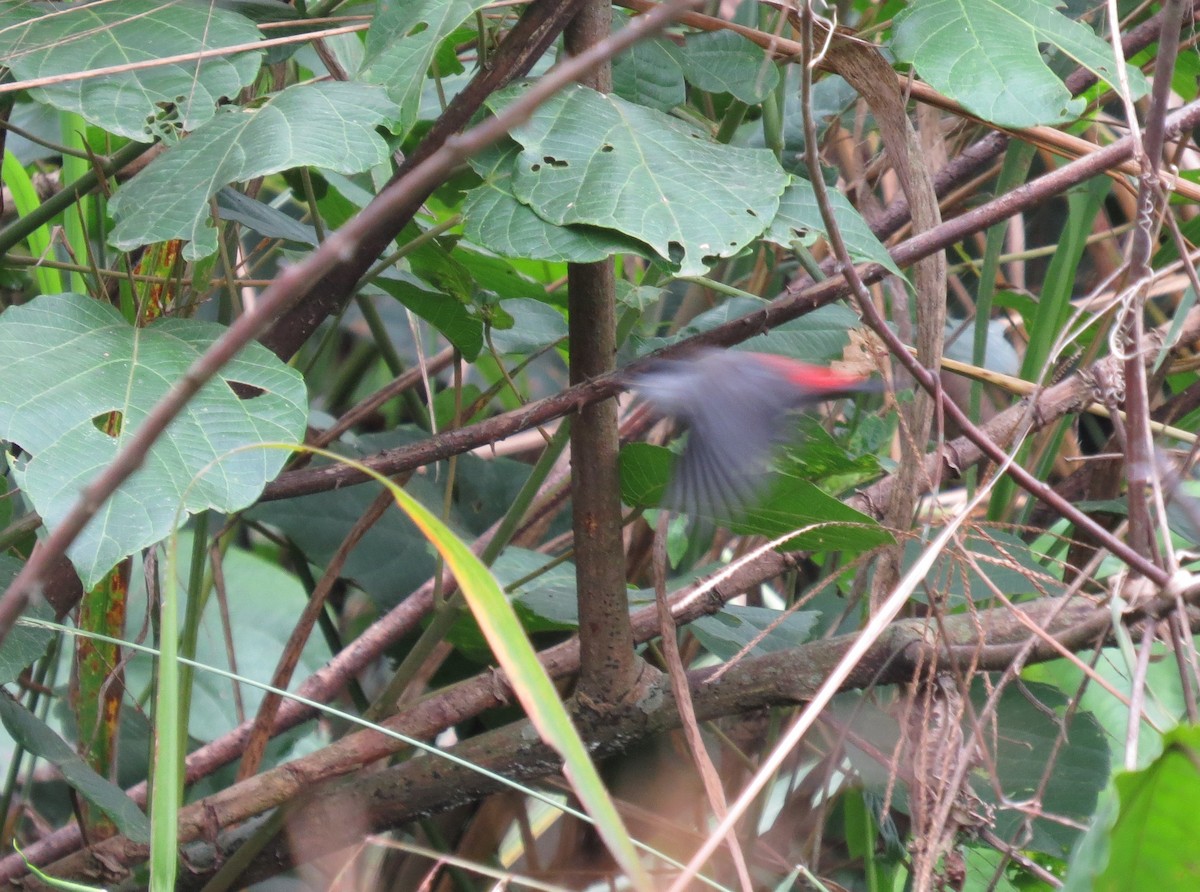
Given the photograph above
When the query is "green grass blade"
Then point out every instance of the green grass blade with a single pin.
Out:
(25, 198)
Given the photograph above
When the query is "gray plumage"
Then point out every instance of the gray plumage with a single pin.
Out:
(735, 408)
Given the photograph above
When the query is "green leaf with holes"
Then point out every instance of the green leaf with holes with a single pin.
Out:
(144, 103)
(986, 54)
(799, 218)
(330, 125)
(402, 42)
(498, 221)
(76, 371)
(595, 160)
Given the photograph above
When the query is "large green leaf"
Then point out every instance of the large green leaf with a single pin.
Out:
(1024, 761)
(328, 125)
(1147, 836)
(71, 361)
(985, 54)
(1031, 731)
(997, 561)
(822, 521)
(83, 37)
(724, 62)
(401, 43)
(788, 504)
(536, 325)
(601, 161)
(649, 73)
(498, 221)
(459, 322)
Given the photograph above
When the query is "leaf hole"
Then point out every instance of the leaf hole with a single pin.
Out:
(606, 148)
(675, 252)
(555, 162)
(109, 423)
(417, 29)
(245, 391)
(535, 167)
(751, 212)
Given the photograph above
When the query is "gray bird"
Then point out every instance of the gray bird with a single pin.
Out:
(735, 406)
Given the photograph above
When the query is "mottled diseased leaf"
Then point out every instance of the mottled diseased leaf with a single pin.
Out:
(986, 55)
(72, 362)
(145, 103)
(329, 125)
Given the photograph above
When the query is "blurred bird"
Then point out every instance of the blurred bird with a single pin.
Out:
(734, 405)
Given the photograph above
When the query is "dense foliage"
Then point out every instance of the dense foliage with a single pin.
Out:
(318, 323)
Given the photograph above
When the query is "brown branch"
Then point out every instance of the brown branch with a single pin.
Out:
(988, 640)
(264, 721)
(296, 281)
(609, 665)
(1143, 490)
(865, 69)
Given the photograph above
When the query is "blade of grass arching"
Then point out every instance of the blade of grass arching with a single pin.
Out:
(506, 637)
(447, 614)
(25, 198)
(53, 883)
(532, 686)
(1054, 305)
(74, 136)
